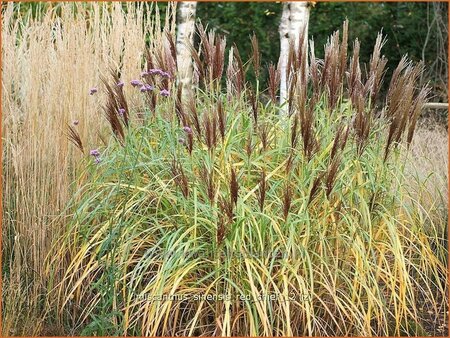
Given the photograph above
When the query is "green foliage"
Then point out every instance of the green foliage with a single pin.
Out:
(288, 236)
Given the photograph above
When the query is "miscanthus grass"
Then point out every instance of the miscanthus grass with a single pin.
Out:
(225, 214)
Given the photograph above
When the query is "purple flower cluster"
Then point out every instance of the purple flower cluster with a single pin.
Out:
(187, 129)
(75, 122)
(146, 88)
(121, 111)
(143, 87)
(136, 83)
(159, 72)
(96, 154)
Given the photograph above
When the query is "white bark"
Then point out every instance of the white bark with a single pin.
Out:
(294, 19)
(185, 35)
(284, 49)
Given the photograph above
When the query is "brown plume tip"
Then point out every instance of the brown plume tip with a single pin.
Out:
(75, 138)
(234, 187)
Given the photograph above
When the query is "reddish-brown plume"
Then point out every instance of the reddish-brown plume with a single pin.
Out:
(180, 177)
(173, 49)
(183, 118)
(256, 57)
(210, 127)
(274, 82)
(221, 230)
(248, 145)
(403, 103)
(338, 139)
(315, 187)
(234, 187)
(194, 117)
(111, 113)
(262, 190)
(222, 119)
(376, 71)
(74, 137)
(264, 135)
(240, 76)
(235, 74)
(209, 60)
(287, 200)
(310, 145)
(289, 162)
(332, 174)
(207, 176)
(226, 207)
(190, 141)
(254, 104)
(294, 131)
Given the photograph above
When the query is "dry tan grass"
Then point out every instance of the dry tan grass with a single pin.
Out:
(427, 170)
(47, 74)
(429, 167)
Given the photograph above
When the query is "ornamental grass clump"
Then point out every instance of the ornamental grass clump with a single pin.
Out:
(226, 214)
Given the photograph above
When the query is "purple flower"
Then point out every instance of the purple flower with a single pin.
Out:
(144, 74)
(120, 84)
(136, 83)
(121, 111)
(75, 122)
(164, 92)
(93, 90)
(146, 88)
(94, 152)
(159, 72)
(155, 71)
(187, 130)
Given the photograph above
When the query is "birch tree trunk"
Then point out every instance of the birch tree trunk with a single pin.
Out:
(185, 35)
(294, 18)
